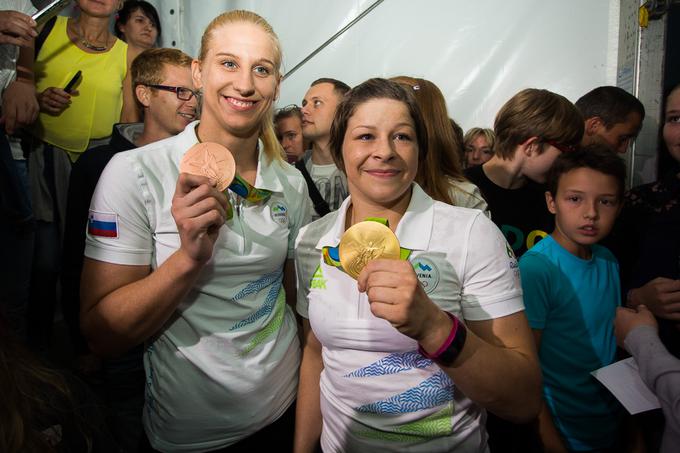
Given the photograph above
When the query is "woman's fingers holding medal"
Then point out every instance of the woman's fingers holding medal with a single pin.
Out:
(199, 210)
(395, 294)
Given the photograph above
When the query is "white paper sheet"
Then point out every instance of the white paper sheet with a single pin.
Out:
(623, 380)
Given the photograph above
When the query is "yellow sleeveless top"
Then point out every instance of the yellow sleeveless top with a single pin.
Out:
(96, 107)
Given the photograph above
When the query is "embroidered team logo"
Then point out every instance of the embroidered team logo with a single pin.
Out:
(427, 272)
(102, 224)
(280, 213)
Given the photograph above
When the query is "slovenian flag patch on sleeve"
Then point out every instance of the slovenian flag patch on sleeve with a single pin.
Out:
(103, 224)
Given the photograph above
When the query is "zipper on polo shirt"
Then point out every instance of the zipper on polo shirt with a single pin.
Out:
(237, 203)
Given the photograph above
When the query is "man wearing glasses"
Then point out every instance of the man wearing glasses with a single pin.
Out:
(164, 92)
(288, 126)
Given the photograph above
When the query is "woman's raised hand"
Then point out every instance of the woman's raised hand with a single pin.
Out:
(199, 210)
(396, 295)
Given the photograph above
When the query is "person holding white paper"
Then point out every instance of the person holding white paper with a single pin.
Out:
(637, 332)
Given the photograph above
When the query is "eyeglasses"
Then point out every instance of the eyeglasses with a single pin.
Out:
(288, 108)
(561, 146)
(183, 94)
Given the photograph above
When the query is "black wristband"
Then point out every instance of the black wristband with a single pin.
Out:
(451, 353)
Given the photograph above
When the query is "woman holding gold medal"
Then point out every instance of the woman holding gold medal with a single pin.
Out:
(432, 331)
(195, 264)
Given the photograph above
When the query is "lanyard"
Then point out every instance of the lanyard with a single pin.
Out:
(245, 190)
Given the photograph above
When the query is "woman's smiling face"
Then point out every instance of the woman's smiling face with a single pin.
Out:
(380, 152)
(239, 78)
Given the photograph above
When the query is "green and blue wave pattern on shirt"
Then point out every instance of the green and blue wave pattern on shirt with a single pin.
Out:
(435, 391)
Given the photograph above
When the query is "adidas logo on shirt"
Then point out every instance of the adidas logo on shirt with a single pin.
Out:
(318, 282)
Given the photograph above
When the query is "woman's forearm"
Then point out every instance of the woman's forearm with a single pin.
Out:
(308, 422)
(498, 368)
(125, 305)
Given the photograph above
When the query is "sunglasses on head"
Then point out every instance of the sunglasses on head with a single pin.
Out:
(561, 146)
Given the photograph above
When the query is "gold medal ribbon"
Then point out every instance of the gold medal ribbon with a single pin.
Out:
(245, 190)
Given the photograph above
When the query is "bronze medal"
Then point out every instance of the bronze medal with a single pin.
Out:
(211, 160)
(366, 241)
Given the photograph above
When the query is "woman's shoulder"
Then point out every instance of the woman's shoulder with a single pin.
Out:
(289, 176)
(466, 194)
(448, 217)
(462, 184)
(311, 233)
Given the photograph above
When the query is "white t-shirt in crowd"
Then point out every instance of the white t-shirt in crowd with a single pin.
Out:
(330, 180)
(225, 365)
(9, 53)
(377, 392)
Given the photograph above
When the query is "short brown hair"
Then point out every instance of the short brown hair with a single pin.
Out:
(147, 68)
(596, 157)
(374, 89)
(339, 87)
(536, 113)
(611, 104)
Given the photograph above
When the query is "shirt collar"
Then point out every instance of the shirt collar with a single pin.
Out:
(266, 176)
(187, 138)
(414, 230)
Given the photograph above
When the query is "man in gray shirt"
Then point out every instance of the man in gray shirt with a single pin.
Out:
(318, 110)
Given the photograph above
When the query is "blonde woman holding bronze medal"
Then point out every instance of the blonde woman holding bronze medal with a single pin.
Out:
(189, 249)
(432, 332)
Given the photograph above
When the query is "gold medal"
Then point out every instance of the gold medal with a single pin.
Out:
(211, 160)
(366, 241)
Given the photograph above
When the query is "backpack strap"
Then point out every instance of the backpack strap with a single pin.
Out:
(320, 205)
(42, 36)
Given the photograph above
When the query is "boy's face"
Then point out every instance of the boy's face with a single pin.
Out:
(585, 207)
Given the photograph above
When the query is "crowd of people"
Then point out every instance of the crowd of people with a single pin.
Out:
(228, 320)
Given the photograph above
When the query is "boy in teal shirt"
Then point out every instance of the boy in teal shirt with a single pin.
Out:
(571, 291)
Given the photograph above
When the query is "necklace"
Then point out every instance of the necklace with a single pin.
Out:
(88, 44)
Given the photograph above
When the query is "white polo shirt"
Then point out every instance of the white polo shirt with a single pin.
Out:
(225, 365)
(377, 392)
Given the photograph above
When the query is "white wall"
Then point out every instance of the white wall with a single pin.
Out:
(478, 52)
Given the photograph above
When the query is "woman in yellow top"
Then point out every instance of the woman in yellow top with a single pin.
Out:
(69, 124)
(74, 121)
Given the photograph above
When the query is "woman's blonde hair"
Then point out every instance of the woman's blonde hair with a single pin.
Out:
(272, 147)
(475, 132)
(442, 162)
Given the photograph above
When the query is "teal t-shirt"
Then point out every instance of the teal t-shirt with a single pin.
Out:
(573, 302)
